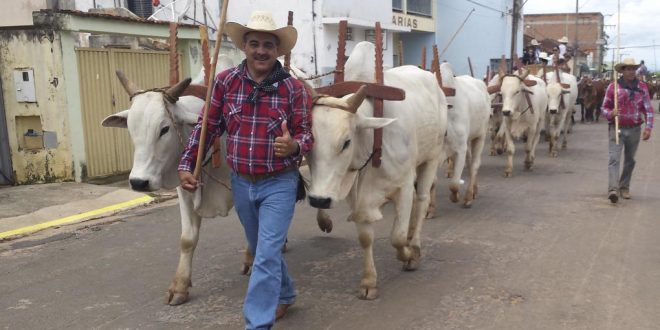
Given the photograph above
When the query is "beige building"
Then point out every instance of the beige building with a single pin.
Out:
(55, 91)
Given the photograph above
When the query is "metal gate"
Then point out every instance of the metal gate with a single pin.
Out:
(6, 171)
(110, 150)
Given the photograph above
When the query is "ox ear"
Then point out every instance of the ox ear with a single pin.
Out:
(373, 122)
(119, 119)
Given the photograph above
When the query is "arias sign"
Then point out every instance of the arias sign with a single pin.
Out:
(414, 22)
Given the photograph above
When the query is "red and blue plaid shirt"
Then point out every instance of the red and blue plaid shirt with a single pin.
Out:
(252, 127)
(634, 104)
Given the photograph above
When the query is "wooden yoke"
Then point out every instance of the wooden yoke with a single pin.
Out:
(378, 102)
(287, 57)
(435, 68)
(378, 91)
(174, 56)
(341, 52)
(470, 64)
(423, 66)
(561, 98)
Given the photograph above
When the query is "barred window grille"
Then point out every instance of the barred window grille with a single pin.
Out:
(397, 5)
(420, 7)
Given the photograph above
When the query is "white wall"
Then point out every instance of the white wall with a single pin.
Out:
(485, 35)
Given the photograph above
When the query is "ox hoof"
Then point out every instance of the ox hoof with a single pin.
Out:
(553, 154)
(467, 204)
(246, 269)
(507, 174)
(453, 197)
(528, 165)
(176, 298)
(368, 293)
(430, 214)
(500, 151)
(564, 145)
(411, 265)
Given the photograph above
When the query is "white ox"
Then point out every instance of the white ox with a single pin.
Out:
(559, 115)
(413, 135)
(520, 116)
(159, 128)
(468, 115)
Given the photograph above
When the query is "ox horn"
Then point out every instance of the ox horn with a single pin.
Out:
(130, 87)
(356, 99)
(178, 89)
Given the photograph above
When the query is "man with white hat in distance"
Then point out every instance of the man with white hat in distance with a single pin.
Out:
(562, 46)
(537, 50)
(634, 108)
(266, 115)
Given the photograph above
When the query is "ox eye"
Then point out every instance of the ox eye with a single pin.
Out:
(164, 130)
(346, 144)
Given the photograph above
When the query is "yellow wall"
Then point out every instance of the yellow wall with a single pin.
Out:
(41, 52)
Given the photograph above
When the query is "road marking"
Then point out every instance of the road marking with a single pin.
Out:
(75, 218)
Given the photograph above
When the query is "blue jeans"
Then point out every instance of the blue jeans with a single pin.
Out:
(628, 142)
(265, 209)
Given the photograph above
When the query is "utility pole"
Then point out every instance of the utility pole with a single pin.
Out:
(575, 49)
(514, 30)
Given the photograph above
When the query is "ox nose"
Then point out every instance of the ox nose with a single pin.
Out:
(139, 184)
(506, 113)
(553, 111)
(320, 203)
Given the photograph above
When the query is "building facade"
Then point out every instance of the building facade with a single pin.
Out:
(589, 30)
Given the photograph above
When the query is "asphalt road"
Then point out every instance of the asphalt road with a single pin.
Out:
(542, 250)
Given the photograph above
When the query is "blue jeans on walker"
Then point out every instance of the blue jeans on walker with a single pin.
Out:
(265, 209)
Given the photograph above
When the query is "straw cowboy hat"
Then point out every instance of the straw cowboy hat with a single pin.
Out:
(563, 40)
(262, 21)
(534, 42)
(544, 56)
(626, 62)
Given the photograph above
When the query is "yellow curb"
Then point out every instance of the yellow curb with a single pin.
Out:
(77, 217)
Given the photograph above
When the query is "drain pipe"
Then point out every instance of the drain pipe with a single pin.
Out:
(316, 60)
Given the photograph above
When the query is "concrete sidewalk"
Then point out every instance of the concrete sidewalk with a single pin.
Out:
(30, 208)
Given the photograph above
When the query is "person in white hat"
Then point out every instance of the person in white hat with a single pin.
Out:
(266, 114)
(634, 109)
(537, 50)
(562, 46)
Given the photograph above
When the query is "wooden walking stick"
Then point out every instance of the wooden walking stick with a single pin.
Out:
(209, 90)
(614, 75)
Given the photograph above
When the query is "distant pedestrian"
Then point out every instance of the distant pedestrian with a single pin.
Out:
(562, 46)
(642, 71)
(634, 108)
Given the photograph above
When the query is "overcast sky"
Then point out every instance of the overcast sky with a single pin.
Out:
(639, 24)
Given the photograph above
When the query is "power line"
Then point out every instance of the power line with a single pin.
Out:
(488, 7)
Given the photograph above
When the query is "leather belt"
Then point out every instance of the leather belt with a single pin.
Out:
(253, 178)
(628, 126)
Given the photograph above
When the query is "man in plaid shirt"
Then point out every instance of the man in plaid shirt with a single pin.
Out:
(634, 108)
(266, 115)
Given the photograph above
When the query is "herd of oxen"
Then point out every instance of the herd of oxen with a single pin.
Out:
(420, 133)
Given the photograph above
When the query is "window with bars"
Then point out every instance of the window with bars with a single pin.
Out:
(397, 5)
(419, 7)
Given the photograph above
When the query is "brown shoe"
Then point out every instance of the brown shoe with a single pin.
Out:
(625, 194)
(281, 310)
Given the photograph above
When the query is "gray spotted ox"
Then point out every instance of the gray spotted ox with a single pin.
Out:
(524, 101)
(562, 94)
(159, 123)
(468, 118)
(413, 137)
